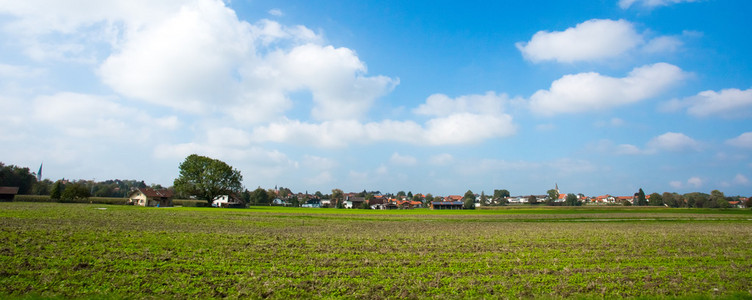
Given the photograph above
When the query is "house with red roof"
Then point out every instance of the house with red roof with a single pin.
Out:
(150, 197)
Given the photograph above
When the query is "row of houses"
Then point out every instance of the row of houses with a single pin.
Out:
(163, 198)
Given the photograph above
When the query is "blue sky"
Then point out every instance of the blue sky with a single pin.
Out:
(430, 97)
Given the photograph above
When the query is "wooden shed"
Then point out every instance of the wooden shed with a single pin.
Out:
(7, 193)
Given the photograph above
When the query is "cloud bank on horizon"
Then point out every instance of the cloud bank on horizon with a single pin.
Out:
(606, 104)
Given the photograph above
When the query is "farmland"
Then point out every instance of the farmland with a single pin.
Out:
(90, 250)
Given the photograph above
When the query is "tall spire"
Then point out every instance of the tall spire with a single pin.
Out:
(39, 174)
(557, 187)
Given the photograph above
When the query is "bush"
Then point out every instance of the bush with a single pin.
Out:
(95, 200)
(33, 198)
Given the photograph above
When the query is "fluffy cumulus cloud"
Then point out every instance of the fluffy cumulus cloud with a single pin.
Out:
(466, 119)
(625, 4)
(673, 141)
(744, 140)
(591, 40)
(596, 40)
(728, 103)
(204, 59)
(197, 56)
(592, 91)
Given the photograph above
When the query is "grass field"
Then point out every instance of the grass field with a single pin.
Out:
(112, 251)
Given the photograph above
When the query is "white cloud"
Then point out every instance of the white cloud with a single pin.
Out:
(334, 77)
(625, 4)
(185, 61)
(744, 140)
(442, 105)
(663, 44)
(197, 56)
(741, 179)
(627, 149)
(592, 91)
(227, 136)
(692, 182)
(19, 72)
(466, 124)
(695, 182)
(451, 130)
(402, 160)
(608, 147)
(595, 40)
(672, 141)
(276, 12)
(728, 103)
(591, 40)
(90, 116)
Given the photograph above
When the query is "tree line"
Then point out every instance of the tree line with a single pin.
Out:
(205, 178)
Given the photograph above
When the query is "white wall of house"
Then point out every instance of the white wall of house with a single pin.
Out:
(217, 202)
(139, 199)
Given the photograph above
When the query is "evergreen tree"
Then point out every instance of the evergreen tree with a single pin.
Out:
(641, 200)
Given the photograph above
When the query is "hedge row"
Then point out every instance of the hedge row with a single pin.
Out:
(96, 200)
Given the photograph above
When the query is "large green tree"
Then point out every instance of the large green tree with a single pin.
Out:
(17, 177)
(718, 200)
(656, 199)
(207, 178)
(498, 194)
(259, 196)
(469, 200)
(571, 200)
(75, 192)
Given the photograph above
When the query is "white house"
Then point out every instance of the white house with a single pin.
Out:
(150, 197)
(227, 201)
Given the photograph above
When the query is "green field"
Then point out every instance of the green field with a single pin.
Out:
(113, 251)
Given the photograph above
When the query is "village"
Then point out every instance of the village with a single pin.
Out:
(379, 201)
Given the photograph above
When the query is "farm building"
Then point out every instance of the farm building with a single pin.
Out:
(150, 197)
(7, 193)
(354, 202)
(447, 205)
(228, 201)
